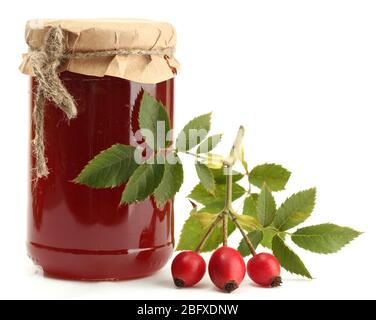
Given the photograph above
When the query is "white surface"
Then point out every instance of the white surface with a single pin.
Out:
(300, 75)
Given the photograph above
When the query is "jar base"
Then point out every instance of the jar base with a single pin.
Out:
(84, 265)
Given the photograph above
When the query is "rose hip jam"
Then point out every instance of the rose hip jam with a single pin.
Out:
(76, 232)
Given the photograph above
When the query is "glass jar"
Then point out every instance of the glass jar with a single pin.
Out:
(76, 232)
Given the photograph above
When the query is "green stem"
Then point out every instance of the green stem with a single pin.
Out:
(225, 228)
(209, 232)
(249, 243)
(228, 202)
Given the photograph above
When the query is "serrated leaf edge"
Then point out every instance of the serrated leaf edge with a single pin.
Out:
(293, 195)
(268, 192)
(219, 135)
(324, 253)
(205, 167)
(76, 180)
(187, 125)
(123, 202)
(161, 205)
(271, 164)
(308, 276)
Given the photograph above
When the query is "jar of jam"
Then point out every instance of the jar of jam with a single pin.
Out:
(77, 232)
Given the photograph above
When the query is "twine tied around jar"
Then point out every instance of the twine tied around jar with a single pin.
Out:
(45, 63)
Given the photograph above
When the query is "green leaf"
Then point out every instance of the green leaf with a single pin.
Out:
(255, 237)
(206, 177)
(205, 218)
(142, 183)
(209, 144)
(250, 205)
(275, 176)
(268, 235)
(214, 161)
(266, 207)
(220, 177)
(194, 132)
(237, 148)
(201, 195)
(215, 207)
(295, 210)
(248, 223)
(191, 234)
(152, 118)
(172, 180)
(110, 168)
(288, 259)
(324, 238)
(193, 231)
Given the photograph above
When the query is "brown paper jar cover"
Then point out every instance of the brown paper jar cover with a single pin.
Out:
(110, 34)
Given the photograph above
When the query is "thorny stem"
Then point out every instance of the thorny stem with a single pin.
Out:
(249, 243)
(209, 232)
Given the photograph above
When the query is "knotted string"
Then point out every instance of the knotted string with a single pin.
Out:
(45, 63)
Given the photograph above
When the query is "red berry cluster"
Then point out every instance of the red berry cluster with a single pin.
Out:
(226, 269)
(226, 266)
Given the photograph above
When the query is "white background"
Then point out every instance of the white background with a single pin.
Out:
(300, 75)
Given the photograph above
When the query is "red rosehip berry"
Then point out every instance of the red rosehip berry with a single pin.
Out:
(265, 270)
(227, 269)
(188, 268)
